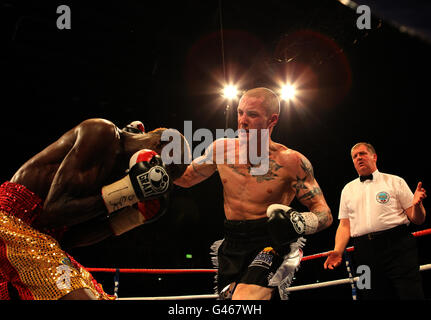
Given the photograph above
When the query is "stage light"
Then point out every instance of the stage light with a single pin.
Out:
(288, 92)
(230, 92)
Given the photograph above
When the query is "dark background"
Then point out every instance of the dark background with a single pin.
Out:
(164, 63)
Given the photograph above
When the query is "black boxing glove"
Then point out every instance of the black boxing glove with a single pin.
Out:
(285, 225)
(147, 179)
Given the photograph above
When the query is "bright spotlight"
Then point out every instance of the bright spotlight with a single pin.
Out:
(288, 92)
(230, 92)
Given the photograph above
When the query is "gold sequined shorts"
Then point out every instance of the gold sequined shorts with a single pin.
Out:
(33, 263)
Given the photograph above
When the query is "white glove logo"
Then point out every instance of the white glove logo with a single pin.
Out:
(297, 222)
(153, 182)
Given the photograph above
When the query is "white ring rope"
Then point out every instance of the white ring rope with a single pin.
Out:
(322, 284)
(425, 267)
(190, 297)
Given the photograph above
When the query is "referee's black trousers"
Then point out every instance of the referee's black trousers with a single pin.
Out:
(392, 257)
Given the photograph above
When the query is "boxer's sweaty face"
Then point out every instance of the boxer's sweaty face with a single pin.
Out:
(251, 114)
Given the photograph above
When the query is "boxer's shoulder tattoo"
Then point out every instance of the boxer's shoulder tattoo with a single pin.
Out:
(299, 184)
(307, 167)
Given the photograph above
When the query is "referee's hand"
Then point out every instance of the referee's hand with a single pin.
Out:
(419, 195)
(334, 260)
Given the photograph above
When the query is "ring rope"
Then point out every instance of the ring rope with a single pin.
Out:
(152, 271)
(349, 280)
(183, 271)
(339, 281)
(189, 297)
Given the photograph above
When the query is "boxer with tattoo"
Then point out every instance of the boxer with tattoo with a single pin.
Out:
(263, 235)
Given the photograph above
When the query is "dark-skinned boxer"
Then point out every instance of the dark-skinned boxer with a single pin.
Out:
(76, 192)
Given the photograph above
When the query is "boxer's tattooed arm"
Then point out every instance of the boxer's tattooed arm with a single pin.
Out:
(305, 191)
(310, 194)
(307, 167)
(323, 218)
(301, 184)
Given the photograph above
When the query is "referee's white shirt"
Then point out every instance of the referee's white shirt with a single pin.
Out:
(375, 205)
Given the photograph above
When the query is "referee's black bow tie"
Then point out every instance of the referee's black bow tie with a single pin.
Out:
(363, 178)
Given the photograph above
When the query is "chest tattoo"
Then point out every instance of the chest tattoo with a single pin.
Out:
(270, 175)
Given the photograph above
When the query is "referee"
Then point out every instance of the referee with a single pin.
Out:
(375, 210)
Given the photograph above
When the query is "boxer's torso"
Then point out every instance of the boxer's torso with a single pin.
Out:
(247, 196)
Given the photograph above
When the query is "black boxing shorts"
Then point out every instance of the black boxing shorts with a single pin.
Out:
(245, 254)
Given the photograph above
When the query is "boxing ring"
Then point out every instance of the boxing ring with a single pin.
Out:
(351, 280)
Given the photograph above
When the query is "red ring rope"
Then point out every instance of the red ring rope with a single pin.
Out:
(182, 271)
(422, 233)
(152, 271)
